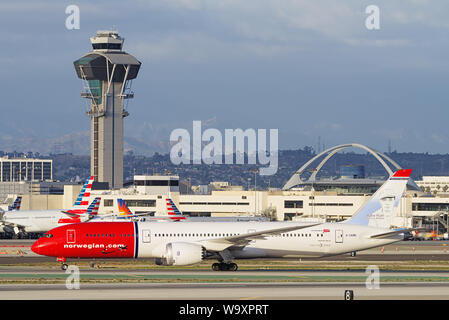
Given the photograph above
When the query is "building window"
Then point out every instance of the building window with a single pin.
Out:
(156, 183)
(140, 203)
(293, 204)
(430, 207)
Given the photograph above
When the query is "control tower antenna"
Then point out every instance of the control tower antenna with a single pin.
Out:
(107, 73)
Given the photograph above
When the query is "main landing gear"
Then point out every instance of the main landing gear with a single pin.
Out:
(225, 266)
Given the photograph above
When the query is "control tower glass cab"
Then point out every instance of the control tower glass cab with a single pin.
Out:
(107, 41)
(107, 72)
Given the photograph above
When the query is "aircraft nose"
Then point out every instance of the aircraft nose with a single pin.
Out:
(35, 247)
(44, 246)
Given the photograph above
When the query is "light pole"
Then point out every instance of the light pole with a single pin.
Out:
(255, 171)
(168, 173)
(447, 224)
(313, 192)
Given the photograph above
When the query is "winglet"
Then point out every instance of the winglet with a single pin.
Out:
(123, 208)
(94, 206)
(16, 204)
(82, 202)
(173, 211)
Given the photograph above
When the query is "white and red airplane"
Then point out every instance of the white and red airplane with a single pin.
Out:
(191, 242)
(44, 220)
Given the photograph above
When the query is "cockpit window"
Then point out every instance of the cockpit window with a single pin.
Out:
(48, 235)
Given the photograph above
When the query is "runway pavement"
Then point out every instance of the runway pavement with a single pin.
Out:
(209, 285)
(227, 291)
(24, 275)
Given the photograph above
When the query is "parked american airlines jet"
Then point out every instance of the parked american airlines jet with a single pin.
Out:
(190, 242)
(44, 220)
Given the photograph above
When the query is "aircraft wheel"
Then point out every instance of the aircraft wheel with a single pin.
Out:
(216, 267)
(353, 254)
(64, 266)
(232, 267)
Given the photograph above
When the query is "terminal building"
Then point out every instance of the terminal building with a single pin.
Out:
(30, 177)
(25, 169)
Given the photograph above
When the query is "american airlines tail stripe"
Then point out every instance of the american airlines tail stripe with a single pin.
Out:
(136, 240)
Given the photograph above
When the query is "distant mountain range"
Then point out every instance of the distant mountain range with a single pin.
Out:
(146, 152)
(75, 143)
(72, 167)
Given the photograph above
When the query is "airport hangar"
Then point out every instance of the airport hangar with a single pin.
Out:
(312, 199)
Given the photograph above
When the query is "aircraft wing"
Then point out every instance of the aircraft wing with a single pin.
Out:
(221, 244)
(142, 214)
(393, 232)
(115, 215)
(71, 215)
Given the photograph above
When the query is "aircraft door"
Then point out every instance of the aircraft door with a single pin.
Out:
(71, 236)
(146, 236)
(338, 236)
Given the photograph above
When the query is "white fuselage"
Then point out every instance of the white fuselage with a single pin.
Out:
(34, 220)
(320, 240)
(44, 220)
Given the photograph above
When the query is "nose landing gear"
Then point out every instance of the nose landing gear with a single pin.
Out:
(64, 265)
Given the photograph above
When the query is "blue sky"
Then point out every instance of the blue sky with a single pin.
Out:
(307, 68)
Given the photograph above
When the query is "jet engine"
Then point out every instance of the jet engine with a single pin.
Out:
(181, 254)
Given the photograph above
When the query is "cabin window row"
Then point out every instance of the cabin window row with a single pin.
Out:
(230, 235)
(109, 235)
(112, 235)
(196, 234)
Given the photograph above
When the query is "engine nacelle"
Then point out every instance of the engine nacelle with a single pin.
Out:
(181, 254)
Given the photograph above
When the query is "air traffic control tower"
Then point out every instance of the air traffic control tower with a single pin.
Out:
(107, 73)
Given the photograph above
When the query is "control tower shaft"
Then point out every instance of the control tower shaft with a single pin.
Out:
(107, 72)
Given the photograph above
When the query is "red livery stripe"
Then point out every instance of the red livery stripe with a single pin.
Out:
(69, 220)
(403, 173)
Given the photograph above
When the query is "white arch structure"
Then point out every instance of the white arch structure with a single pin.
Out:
(296, 177)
